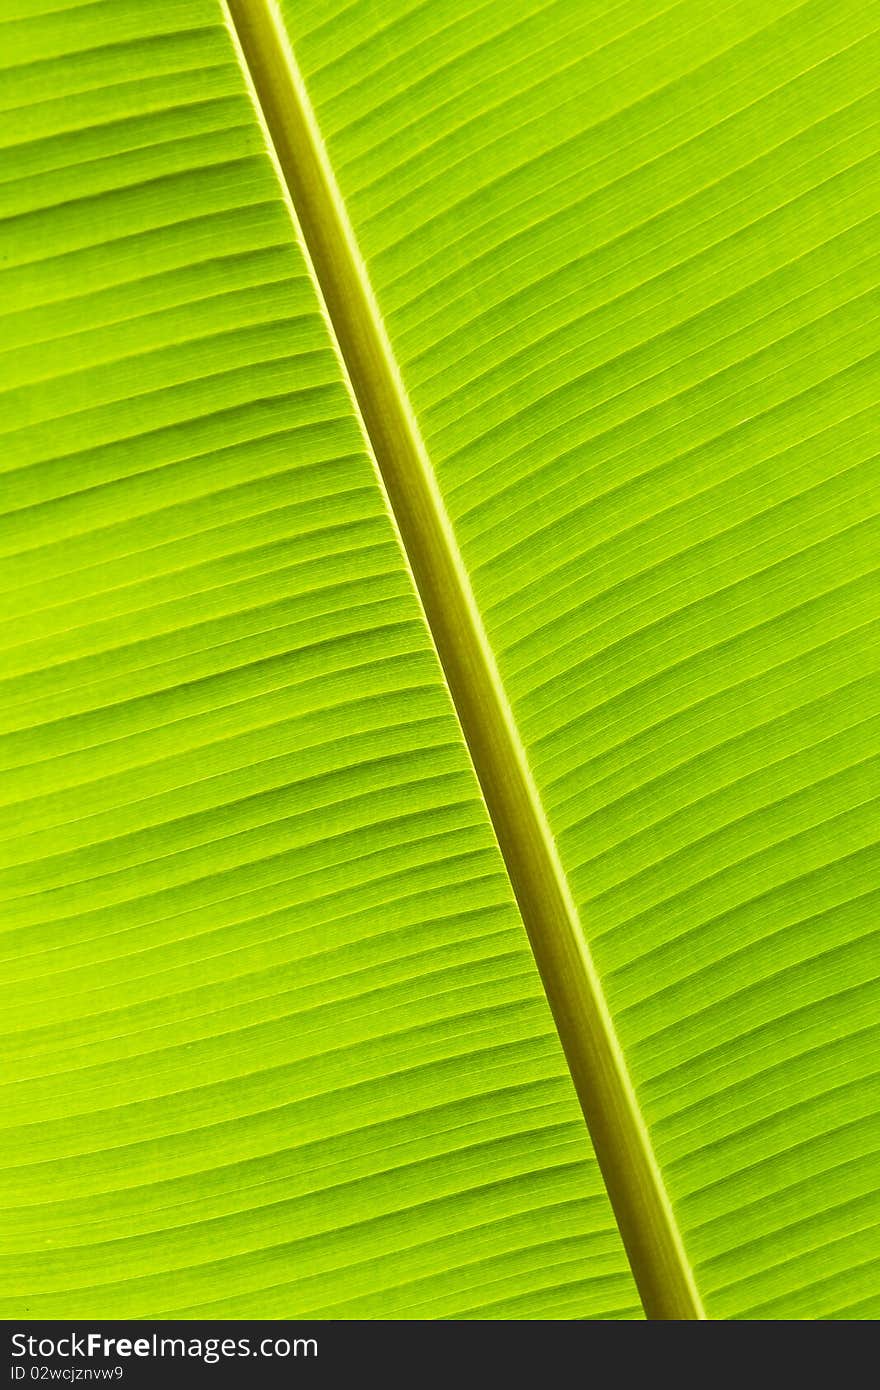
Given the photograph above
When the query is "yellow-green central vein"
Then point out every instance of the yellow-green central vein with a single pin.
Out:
(598, 1068)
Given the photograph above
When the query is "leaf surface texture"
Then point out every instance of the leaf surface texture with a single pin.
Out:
(274, 1037)
(276, 1040)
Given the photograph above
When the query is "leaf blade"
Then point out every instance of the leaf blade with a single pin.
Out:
(273, 1033)
(631, 294)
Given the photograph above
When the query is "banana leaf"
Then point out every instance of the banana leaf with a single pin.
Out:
(439, 678)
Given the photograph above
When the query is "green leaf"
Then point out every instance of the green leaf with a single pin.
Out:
(604, 282)
(273, 1037)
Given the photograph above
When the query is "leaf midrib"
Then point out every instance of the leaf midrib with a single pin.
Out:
(596, 1062)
